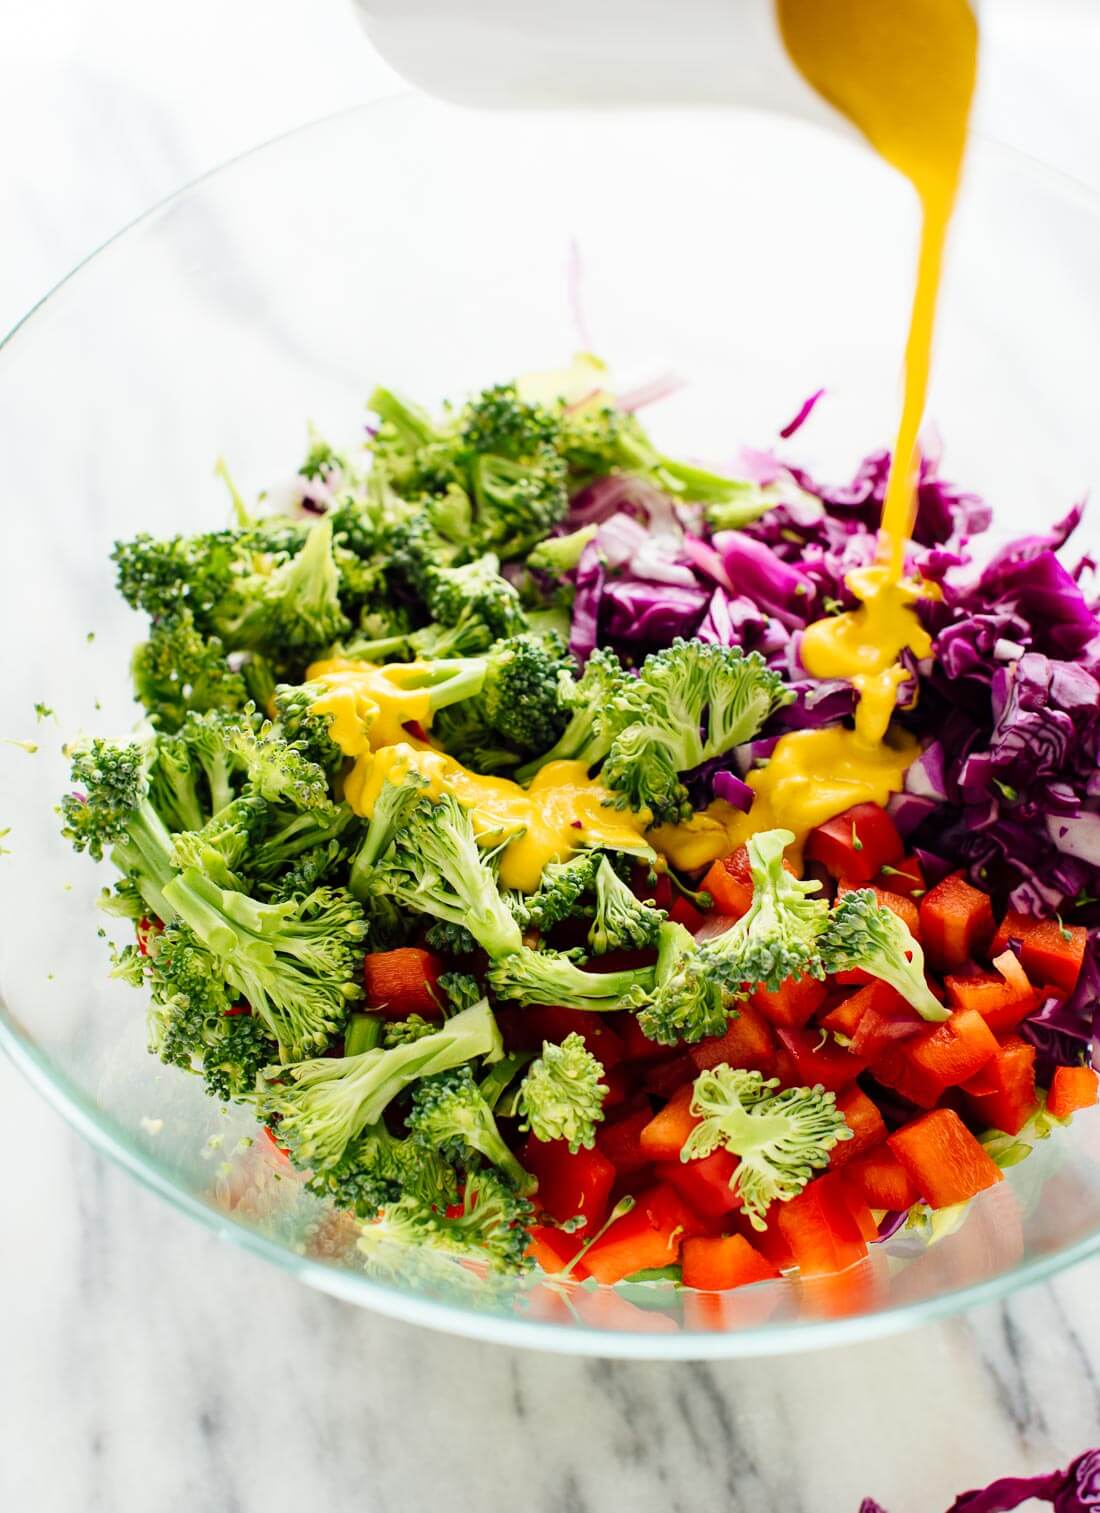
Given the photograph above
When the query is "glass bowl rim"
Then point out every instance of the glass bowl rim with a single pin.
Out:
(82, 1114)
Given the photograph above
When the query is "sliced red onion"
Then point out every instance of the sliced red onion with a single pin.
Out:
(729, 787)
(806, 409)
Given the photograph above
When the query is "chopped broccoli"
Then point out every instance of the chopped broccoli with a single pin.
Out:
(413, 1027)
(462, 990)
(492, 1226)
(516, 708)
(434, 866)
(587, 737)
(277, 770)
(183, 572)
(291, 608)
(296, 963)
(550, 977)
(598, 439)
(558, 555)
(322, 1105)
(561, 890)
(475, 603)
(692, 701)
(780, 936)
(689, 1002)
(291, 837)
(622, 922)
(781, 1138)
(860, 933)
(379, 1168)
(561, 1098)
(178, 670)
(310, 733)
(449, 1115)
(452, 940)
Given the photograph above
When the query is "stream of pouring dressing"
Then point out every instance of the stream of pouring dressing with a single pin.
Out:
(903, 72)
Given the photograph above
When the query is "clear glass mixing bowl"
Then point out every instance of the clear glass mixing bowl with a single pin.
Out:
(436, 250)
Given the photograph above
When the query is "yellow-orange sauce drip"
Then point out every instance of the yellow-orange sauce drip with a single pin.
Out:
(560, 813)
(903, 72)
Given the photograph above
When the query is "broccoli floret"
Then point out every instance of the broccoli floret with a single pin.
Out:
(561, 1098)
(689, 1001)
(517, 710)
(179, 670)
(322, 1105)
(598, 439)
(434, 866)
(164, 577)
(289, 839)
(297, 724)
(462, 990)
(277, 771)
(781, 1138)
(379, 1168)
(622, 922)
(550, 977)
(860, 933)
(413, 1027)
(110, 806)
(587, 699)
(693, 701)
(493, 1225)
(779, 938)
(474, 602)
(449, 1115)
(450, 939)
(294, 607)
(558, 555)
(517, 502)
(297, 963)
(562, 889)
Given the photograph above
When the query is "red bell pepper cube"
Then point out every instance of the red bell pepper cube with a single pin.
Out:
(1002, 1095)
(704, 1184)
(829, 1064)
(1051, 952)
(819, 1228)
(650, 1235)
(880, 1180)
(403, 982)
(1071, 1088)
(621, 1142)
(905, 877)
(770, 1242)
(664, 1078)
(878, 1016)
(1001, 1002)
(554, 1249)
(636, 1044)
(938, 1057)
(856, 845)
(864, 1120)
(956, 923)
(792, 1003)
(719, 1263)
(570, 1184)
(729, 883)
(663, 1137)
(842, 1014)
(944, 1160)
(747, 1042)
(683, 912)
(526, 1030)
(860, 1211)
(619, 1084)
(657, 891)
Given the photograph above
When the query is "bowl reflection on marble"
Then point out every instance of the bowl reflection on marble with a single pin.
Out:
(755, 257)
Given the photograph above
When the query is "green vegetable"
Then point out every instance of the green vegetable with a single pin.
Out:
(779, 938)
(860, 933)
(689, 1001)
(622, 922)
(586, 738)
(561, 1098)
(448, 1114)
(549, 977)
(560, 554)
(322, 1105)
(492, 1225)
(781, 1138)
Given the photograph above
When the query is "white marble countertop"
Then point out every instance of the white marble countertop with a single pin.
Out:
(145, 1366)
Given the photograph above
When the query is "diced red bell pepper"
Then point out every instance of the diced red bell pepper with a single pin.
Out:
(683, 912)
(621, 1142)
(1001, 1002)
(716, 1264)
(553, 1249)
(704, 1184)
(650, 1235)
(856, 845)
(657, 891)
(526, 1030)
(819, 1228)
(770, 1242)
(1071, 1088)
(860, 1211)
(636, 1044)
(793, 1003)
(829, 1064)
(945, 1162)
(884, 1018)
(956, 923)
(664, 1078)
(663, 1137)
(906, 877)
(880, 1180)
(938, 1057)
(1051, 952)
(619, 1084)
(570, 1184)
(1002, 1095)
(746, 1042)
(403, 982)
(729, 883)
(843, 1012)
(863, 1119)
